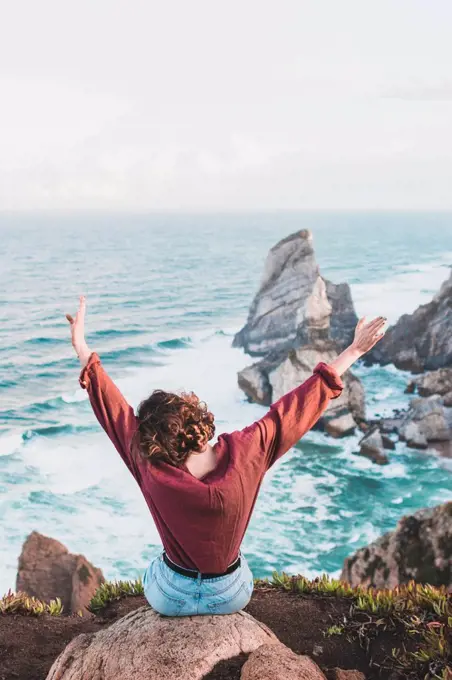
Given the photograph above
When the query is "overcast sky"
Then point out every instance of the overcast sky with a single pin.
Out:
(239, 104)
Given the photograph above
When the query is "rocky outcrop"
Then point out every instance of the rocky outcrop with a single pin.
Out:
(278, 662)
(294, 305)
(296, 320)
(419, 549)
(268, 380)
(144, 644)
(420, 341)
(427, 420)
(433, 382)
(47, 570)
(372, 446)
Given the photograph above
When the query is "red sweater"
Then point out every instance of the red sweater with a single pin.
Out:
(202, 522)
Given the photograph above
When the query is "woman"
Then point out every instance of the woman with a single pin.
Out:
(201, 496)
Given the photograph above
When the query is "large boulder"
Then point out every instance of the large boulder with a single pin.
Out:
(144, 644)
(269, 379)
(419, 549)
(427, 419)
(294, 305)
(434, 382)
(420, 341)
(47, 570)
(278, 662)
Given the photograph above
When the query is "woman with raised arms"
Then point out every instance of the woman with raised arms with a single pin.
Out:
(201, 495)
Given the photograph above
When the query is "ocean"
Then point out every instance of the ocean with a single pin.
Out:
(165, 295)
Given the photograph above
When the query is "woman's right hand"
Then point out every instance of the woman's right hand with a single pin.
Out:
(78, 332)
(367, 335)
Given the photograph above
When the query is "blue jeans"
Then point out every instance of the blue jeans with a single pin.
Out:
(172, 594)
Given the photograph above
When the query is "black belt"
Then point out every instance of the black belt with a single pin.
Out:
(191, 573)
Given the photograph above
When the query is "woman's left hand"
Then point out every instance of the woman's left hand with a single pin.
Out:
(78, 332)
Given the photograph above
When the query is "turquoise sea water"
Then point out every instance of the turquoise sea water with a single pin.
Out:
(165, 295)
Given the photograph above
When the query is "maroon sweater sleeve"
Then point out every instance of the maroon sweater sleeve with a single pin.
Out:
(289, 418)
(112, 411)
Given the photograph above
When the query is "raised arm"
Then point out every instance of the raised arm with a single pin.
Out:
(111, 409)
(289, 418)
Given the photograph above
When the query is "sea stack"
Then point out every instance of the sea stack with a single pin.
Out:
(297, 319)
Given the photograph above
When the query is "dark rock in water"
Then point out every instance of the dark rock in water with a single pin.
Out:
(47, 570)
(410, 388)
(420, 341)
(294, 305)
(371, 446)
(388, 443)
(388, 425)
(419, 549)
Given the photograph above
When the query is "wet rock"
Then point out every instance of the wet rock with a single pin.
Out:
(371, 446)
(388, 443)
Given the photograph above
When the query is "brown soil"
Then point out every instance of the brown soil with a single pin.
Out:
(30, 644)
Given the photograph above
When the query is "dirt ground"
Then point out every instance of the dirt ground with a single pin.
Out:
(29, 644)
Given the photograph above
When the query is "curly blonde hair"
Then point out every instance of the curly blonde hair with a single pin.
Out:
(173, 426)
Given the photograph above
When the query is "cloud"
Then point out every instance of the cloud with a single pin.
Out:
(440, 92)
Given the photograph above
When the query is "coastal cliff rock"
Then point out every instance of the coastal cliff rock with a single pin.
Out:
(433, 382)
(294, 305)
(296, 320)
(144, 644)
(266, 381)
(419, 549)
(47, 570)
(427, 420)
(420, 341)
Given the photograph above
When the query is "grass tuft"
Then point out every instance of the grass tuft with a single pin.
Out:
(114, 590)
(21, 603)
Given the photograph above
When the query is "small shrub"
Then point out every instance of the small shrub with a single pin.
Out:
(114, 590)
(21, 603)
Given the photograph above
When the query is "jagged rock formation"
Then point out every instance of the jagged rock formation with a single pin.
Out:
(372, 446)
(278, 662)
(427, 420)
(296, 320)
(47, 570)
(267, 380)
(419, 549)
(433, 382)
(144, 644)
(420, 341)
(294, 305)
